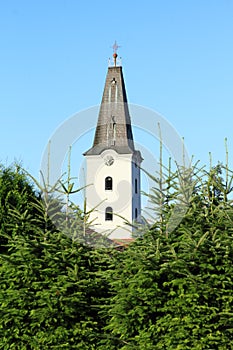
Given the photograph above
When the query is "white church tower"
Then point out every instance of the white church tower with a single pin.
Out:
(113, 164)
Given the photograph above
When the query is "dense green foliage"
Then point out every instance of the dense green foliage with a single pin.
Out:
(51, 284)
(170, 289)
(16, 192)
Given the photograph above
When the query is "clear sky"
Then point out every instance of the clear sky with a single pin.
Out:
(177, 57)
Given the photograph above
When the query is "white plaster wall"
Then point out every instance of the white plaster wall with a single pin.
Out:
(120, 198)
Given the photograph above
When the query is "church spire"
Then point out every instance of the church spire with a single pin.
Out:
(113, 129)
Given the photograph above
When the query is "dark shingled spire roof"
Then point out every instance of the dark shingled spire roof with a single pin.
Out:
(113, 129)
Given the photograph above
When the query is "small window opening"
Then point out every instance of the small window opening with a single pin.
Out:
(108, 183)
(136, 186)
(108, 214)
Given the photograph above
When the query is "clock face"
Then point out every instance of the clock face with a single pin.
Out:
(108, 160)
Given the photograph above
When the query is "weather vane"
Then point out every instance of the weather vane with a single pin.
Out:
(115, 47)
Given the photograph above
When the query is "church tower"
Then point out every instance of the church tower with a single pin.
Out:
(113, 164)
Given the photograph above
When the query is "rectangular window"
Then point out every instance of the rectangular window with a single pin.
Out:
(108, 183)
(136, 186)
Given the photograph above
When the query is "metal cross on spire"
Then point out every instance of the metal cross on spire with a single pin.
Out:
(115, 47)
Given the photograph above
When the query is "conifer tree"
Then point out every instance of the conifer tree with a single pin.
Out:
(52, 285)
(173, 290)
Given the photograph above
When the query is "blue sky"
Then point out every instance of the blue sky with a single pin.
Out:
(176, 54)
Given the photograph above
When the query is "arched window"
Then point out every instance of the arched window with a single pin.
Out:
(108, 214)
(108, 183)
